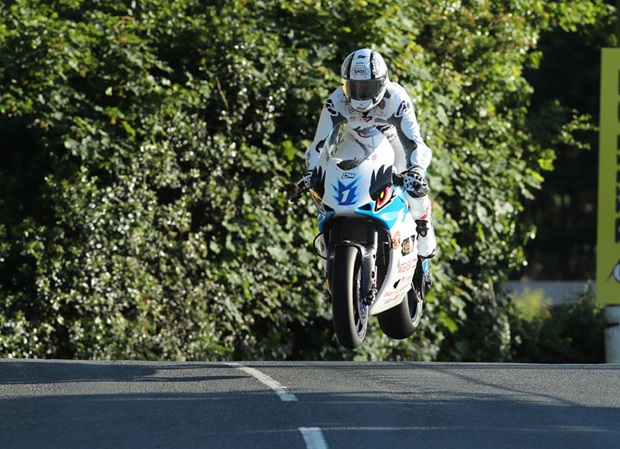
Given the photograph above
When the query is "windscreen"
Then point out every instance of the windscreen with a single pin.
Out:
(348, 147)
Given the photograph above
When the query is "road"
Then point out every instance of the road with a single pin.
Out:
(89, 405)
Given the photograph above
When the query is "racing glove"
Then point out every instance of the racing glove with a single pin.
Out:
(304, 182)
(414, 183)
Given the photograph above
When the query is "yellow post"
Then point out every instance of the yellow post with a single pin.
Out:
(608, 227)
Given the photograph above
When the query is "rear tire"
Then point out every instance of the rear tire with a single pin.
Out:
(349, 308)
(401, 322)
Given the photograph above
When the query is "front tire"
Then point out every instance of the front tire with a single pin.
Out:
(348, 305)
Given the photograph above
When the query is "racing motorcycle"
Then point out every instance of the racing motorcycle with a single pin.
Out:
(367, 237)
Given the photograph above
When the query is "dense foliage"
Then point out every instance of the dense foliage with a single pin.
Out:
(571, 332)
(566, 84)
(149, 149)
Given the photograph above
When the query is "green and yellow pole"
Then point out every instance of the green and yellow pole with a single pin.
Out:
(608, 225)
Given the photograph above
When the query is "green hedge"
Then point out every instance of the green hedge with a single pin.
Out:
(149, 149)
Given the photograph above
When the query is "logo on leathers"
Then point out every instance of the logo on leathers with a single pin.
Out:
(403, 109)
(329, 105)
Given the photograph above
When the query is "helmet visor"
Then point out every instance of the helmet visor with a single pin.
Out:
(362, 89)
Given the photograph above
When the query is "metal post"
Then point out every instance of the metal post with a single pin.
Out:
(612, 334)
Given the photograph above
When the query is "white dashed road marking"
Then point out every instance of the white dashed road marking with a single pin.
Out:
(278, 388)
(313, 437)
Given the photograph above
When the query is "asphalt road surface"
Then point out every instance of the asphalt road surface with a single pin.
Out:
(89, 405)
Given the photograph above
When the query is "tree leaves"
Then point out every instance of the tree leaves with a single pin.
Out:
(150, 149)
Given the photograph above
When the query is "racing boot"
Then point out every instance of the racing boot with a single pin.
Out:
(427, 242)
(420, 209)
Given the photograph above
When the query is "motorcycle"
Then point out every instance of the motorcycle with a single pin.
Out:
(367, 237)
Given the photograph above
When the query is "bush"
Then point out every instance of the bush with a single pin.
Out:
(573, 332)
(149, 149)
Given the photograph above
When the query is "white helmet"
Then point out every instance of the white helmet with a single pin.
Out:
(364, 79)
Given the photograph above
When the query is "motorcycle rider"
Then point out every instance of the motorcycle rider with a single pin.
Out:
(368, 98)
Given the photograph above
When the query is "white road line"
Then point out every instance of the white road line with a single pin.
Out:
(313, 437)
(278, 388)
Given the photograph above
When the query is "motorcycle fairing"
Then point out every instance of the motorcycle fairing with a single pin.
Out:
(353, 176)
(346, 194)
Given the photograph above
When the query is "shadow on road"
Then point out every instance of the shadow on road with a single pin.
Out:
(73, 404)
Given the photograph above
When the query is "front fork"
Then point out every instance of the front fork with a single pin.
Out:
(369, 265)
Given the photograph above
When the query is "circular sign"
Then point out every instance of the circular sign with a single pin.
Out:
(616, 273)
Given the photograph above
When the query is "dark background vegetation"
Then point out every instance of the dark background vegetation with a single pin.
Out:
(149, 149)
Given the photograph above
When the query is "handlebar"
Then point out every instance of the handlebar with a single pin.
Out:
(398, 178)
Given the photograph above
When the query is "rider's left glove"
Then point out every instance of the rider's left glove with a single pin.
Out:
(414, 183)
(304, 182)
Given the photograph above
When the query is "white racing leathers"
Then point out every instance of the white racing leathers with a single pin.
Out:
(395, 117)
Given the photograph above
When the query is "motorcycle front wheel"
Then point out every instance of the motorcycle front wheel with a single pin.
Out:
(348, 305)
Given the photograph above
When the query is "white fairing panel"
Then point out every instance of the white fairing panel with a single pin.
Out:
(353, 165)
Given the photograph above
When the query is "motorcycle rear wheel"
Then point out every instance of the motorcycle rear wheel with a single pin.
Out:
(350, 311)
(401, 322)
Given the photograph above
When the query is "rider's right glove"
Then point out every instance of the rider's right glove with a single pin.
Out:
(414, 183)
(304, 182)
